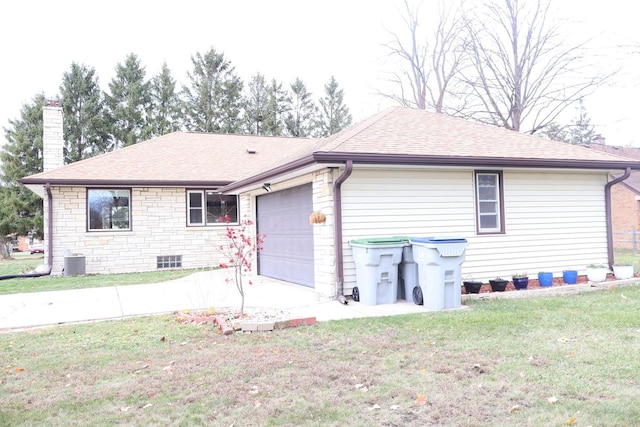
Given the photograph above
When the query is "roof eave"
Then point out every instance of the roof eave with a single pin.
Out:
(122, 183)
(403, 159)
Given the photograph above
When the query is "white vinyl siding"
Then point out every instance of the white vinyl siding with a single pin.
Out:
(553, 220)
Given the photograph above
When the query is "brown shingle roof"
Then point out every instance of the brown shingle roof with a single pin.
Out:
(401, 130)
(395, 135)
(180, 157)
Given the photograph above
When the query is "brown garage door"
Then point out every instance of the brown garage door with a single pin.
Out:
(283, 216)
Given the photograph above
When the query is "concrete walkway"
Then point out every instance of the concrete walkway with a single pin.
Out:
(197, 291)
(209, 289)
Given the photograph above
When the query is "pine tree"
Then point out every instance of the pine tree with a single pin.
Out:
(256, 105)
(213, 101)
(334, 114)
(300, 110)
(128, 102)
(21, 209)
(22, 153)
(166, 106)
(85, 125)
(274, 122)
(582, 131)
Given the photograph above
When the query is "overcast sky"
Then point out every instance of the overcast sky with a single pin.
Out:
(284, 39)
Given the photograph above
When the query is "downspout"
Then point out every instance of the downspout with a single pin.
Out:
(50, 228)
(337, 238)
(607, 204)
(49, 245)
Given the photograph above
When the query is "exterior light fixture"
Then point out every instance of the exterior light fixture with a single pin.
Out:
(267, 187)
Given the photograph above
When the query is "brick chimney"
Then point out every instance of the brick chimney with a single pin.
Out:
(52, 135)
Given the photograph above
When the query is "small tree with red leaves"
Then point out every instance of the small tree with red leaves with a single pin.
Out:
(238, 252)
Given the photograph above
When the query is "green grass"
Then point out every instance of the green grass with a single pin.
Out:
(23, 263)
(20, 263)
(626, 256)
(548, 361)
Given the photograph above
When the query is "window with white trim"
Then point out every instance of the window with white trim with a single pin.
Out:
(489, 201)
(108, 209)
(207, 207)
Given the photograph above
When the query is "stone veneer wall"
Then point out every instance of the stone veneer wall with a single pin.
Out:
(324, 248)
(158, 228)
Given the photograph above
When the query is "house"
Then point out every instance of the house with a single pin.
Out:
(522, 202)
(625, 200)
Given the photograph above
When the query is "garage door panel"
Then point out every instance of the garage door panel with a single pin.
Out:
(288, 247)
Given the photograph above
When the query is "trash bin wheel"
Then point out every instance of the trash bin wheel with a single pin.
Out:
(355, 294)
(417, 295)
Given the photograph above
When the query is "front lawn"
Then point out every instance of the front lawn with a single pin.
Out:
(24, 263)
(548, 361)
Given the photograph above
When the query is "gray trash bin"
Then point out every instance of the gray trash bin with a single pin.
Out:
(408, 271)
(377, 261)
(439, 262)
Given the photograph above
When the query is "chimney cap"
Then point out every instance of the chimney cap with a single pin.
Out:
(53, 102)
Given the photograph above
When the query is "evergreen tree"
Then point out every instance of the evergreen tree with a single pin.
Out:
(256, 105)
(21, 209)
(85, 126)
(166, 107)
(333, 115)
(300, 110)
(128, 101)
(582, 131)
(274, 121)
(22, 153)
(213, 102)
(554, 132)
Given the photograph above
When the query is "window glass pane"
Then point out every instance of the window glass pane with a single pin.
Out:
(195, 208)
(219, 205)
(195, 200)
(487, 193)
(109, 209)
(488, 222)
(487, 180)
(488, 208)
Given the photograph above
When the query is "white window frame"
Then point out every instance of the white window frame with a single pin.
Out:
(498, 201)
(203, 209)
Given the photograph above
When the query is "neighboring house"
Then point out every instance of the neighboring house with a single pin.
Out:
(523, 203)
(625, 200)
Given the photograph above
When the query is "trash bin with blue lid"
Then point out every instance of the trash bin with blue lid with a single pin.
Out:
(377, 261)
(439, 262)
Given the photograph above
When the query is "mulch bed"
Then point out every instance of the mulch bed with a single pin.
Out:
(535, 284)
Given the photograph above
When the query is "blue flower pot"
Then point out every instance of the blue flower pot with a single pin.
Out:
(545, 279)
(570, 277)
(520, 283)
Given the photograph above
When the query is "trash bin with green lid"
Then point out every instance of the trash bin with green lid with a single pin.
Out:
(377, 261)
(439, 262)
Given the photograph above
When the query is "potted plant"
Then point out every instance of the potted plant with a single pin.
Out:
(520, 281)
(472, 286)
(597, 272)
(545, 278)
(498, 284)
(623, 271)
(570, 277)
